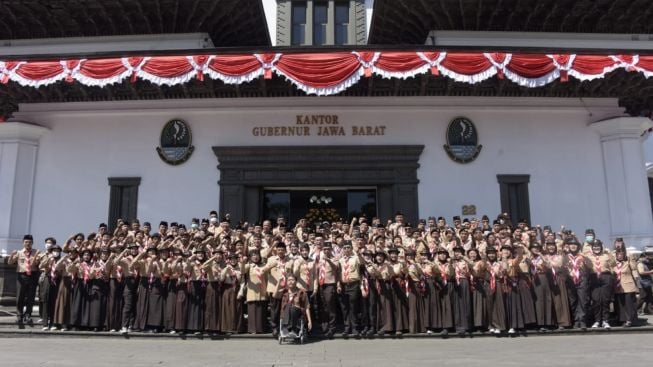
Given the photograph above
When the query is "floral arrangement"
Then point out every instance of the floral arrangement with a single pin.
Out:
(318, 215)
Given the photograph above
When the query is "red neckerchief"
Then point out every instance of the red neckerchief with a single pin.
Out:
(345, 270)
(597, 263)
(534, 263)
(281, 265)
(443, 272)
(28, 262)
(620, 265)
(53, 273)
(576, 261)
(493, 275)
(87, 271)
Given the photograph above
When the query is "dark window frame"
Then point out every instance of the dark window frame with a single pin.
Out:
(516, 184)
(322, 26)
(294, 23)
(336, 24)
(123, 189)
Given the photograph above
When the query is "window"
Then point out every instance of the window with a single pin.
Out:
(342, 23)
(514, 197)
(298, 19)
(320, 20)
(123, 199)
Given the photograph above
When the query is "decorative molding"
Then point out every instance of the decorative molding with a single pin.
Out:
(622, 127)
(21, 131)
(124, 181)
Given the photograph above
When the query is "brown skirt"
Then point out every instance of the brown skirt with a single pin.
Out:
(446, 306)
(196, 296)
(416, 314)
(212, 307)
(432, 305)
(526, 298)
(181, 306)
(462, 305)
(95, 310)
(399, 307)
(256, 317)
(170, 304)
(114, 304)
(232, 310)
(543, 299)
(62, 305)
(142, 304)
(497, 306)
(155, 304)
(480, 308)
(561, 301)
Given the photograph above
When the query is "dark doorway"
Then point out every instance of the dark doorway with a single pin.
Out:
(514, 197)
(391, 170)
(318, 204)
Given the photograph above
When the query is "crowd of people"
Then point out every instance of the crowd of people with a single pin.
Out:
(362, 278)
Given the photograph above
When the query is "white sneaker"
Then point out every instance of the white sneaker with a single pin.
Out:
(45, 328)
(53, 328)
(497, 331)
(173, 332)
(124, 330)
(595, 325)
(429, 331)
(492, 330)
(39, 321)
(64, 329)
(606, 325)
(511, 331)
(112, 330)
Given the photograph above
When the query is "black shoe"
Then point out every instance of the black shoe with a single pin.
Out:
(444, 332)
(345, 335)
(28, 320)
(275, 333)
(381, 333)
(329, 334)
(365, 330)
(19, 319)
(357, 335)
(370, 333)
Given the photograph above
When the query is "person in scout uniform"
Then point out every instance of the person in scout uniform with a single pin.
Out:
(626, 279)
(278, 267)
(27, 266)
(602, 264)
(349, 289)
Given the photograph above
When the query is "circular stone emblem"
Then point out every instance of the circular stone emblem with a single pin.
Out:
(462, 140)
(175, 142)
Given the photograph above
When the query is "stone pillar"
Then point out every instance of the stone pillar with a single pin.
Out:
(19, 144)
(626, 179)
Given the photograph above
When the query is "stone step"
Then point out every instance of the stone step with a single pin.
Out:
(8, 330)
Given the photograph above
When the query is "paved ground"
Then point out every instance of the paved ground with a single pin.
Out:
(621, 350)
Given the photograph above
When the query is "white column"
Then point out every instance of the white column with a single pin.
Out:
(19, 144)
(626, 179)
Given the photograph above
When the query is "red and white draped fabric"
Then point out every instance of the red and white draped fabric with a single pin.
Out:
(325, 73)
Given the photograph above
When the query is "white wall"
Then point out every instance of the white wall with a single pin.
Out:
(89, 142)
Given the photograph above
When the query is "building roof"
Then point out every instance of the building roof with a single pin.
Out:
(228, 22)
(409, 21)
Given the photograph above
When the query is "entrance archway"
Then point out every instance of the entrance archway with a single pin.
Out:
(245, 171)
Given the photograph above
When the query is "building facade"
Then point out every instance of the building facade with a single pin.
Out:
(568, 154)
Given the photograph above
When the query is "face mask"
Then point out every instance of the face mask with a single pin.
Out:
(589, 238)
(194, 225)
(48, 245)
(214, 220)
(56, 253)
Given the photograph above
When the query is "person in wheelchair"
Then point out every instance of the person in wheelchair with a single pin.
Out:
(295, 309)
